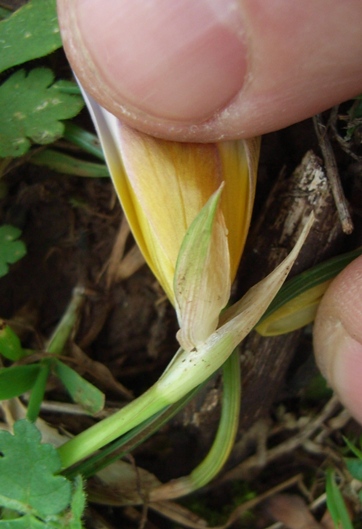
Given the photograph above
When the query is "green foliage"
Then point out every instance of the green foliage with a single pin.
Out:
(31, 32)
(11, 249)
(31, 492)
(317, 389)
(31, 108)
(66, 164)
(10, 345)
(16, 380)
(335, 503)
(354, 464)
(81, 391)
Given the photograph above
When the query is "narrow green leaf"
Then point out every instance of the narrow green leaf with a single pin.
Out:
(85, 140)
(356, 451)
(10, 345)
(81, 391)
(223, 443)
(16, 380)
(37, 392)
(335, 504)
(66, 325)
(227, 430)
(66, 164)
(67, 87)
(31, 32)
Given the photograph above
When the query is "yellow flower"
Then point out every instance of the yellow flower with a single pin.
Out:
(163, 186)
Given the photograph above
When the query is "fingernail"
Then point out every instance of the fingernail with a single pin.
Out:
(179, 61)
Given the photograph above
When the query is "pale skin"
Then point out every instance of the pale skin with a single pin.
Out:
(225, 69)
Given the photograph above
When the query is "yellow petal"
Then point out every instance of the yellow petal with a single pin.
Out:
(164, 185)
(169, 183)
(239, 166)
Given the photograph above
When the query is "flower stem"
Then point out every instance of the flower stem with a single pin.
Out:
(223, 442)
(107, 430)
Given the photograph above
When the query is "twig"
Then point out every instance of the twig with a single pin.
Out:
(332, 174)
(252, 463)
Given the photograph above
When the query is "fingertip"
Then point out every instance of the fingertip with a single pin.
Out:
(211, 70)
(338, 337)
(174, 61)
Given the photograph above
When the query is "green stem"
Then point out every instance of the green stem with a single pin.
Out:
(37, 392)
(225, 437)
(128, 442)
(107, 430)
(223, 442)
(66, 325)
(186, 371)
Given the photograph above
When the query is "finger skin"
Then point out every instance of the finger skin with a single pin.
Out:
(300, 58)
(338, 337)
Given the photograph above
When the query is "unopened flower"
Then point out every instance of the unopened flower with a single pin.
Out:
(162, 187)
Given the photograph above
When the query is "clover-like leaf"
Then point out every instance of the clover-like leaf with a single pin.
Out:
(31, 108)
(31, 32)
(11, 249)
(28, 468)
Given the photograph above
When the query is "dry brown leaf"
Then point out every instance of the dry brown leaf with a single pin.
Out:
(99, 372)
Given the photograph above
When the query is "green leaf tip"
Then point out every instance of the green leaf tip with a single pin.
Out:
(202, 275)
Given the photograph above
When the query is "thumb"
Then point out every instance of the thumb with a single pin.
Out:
(338, 337)
(214, 69)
